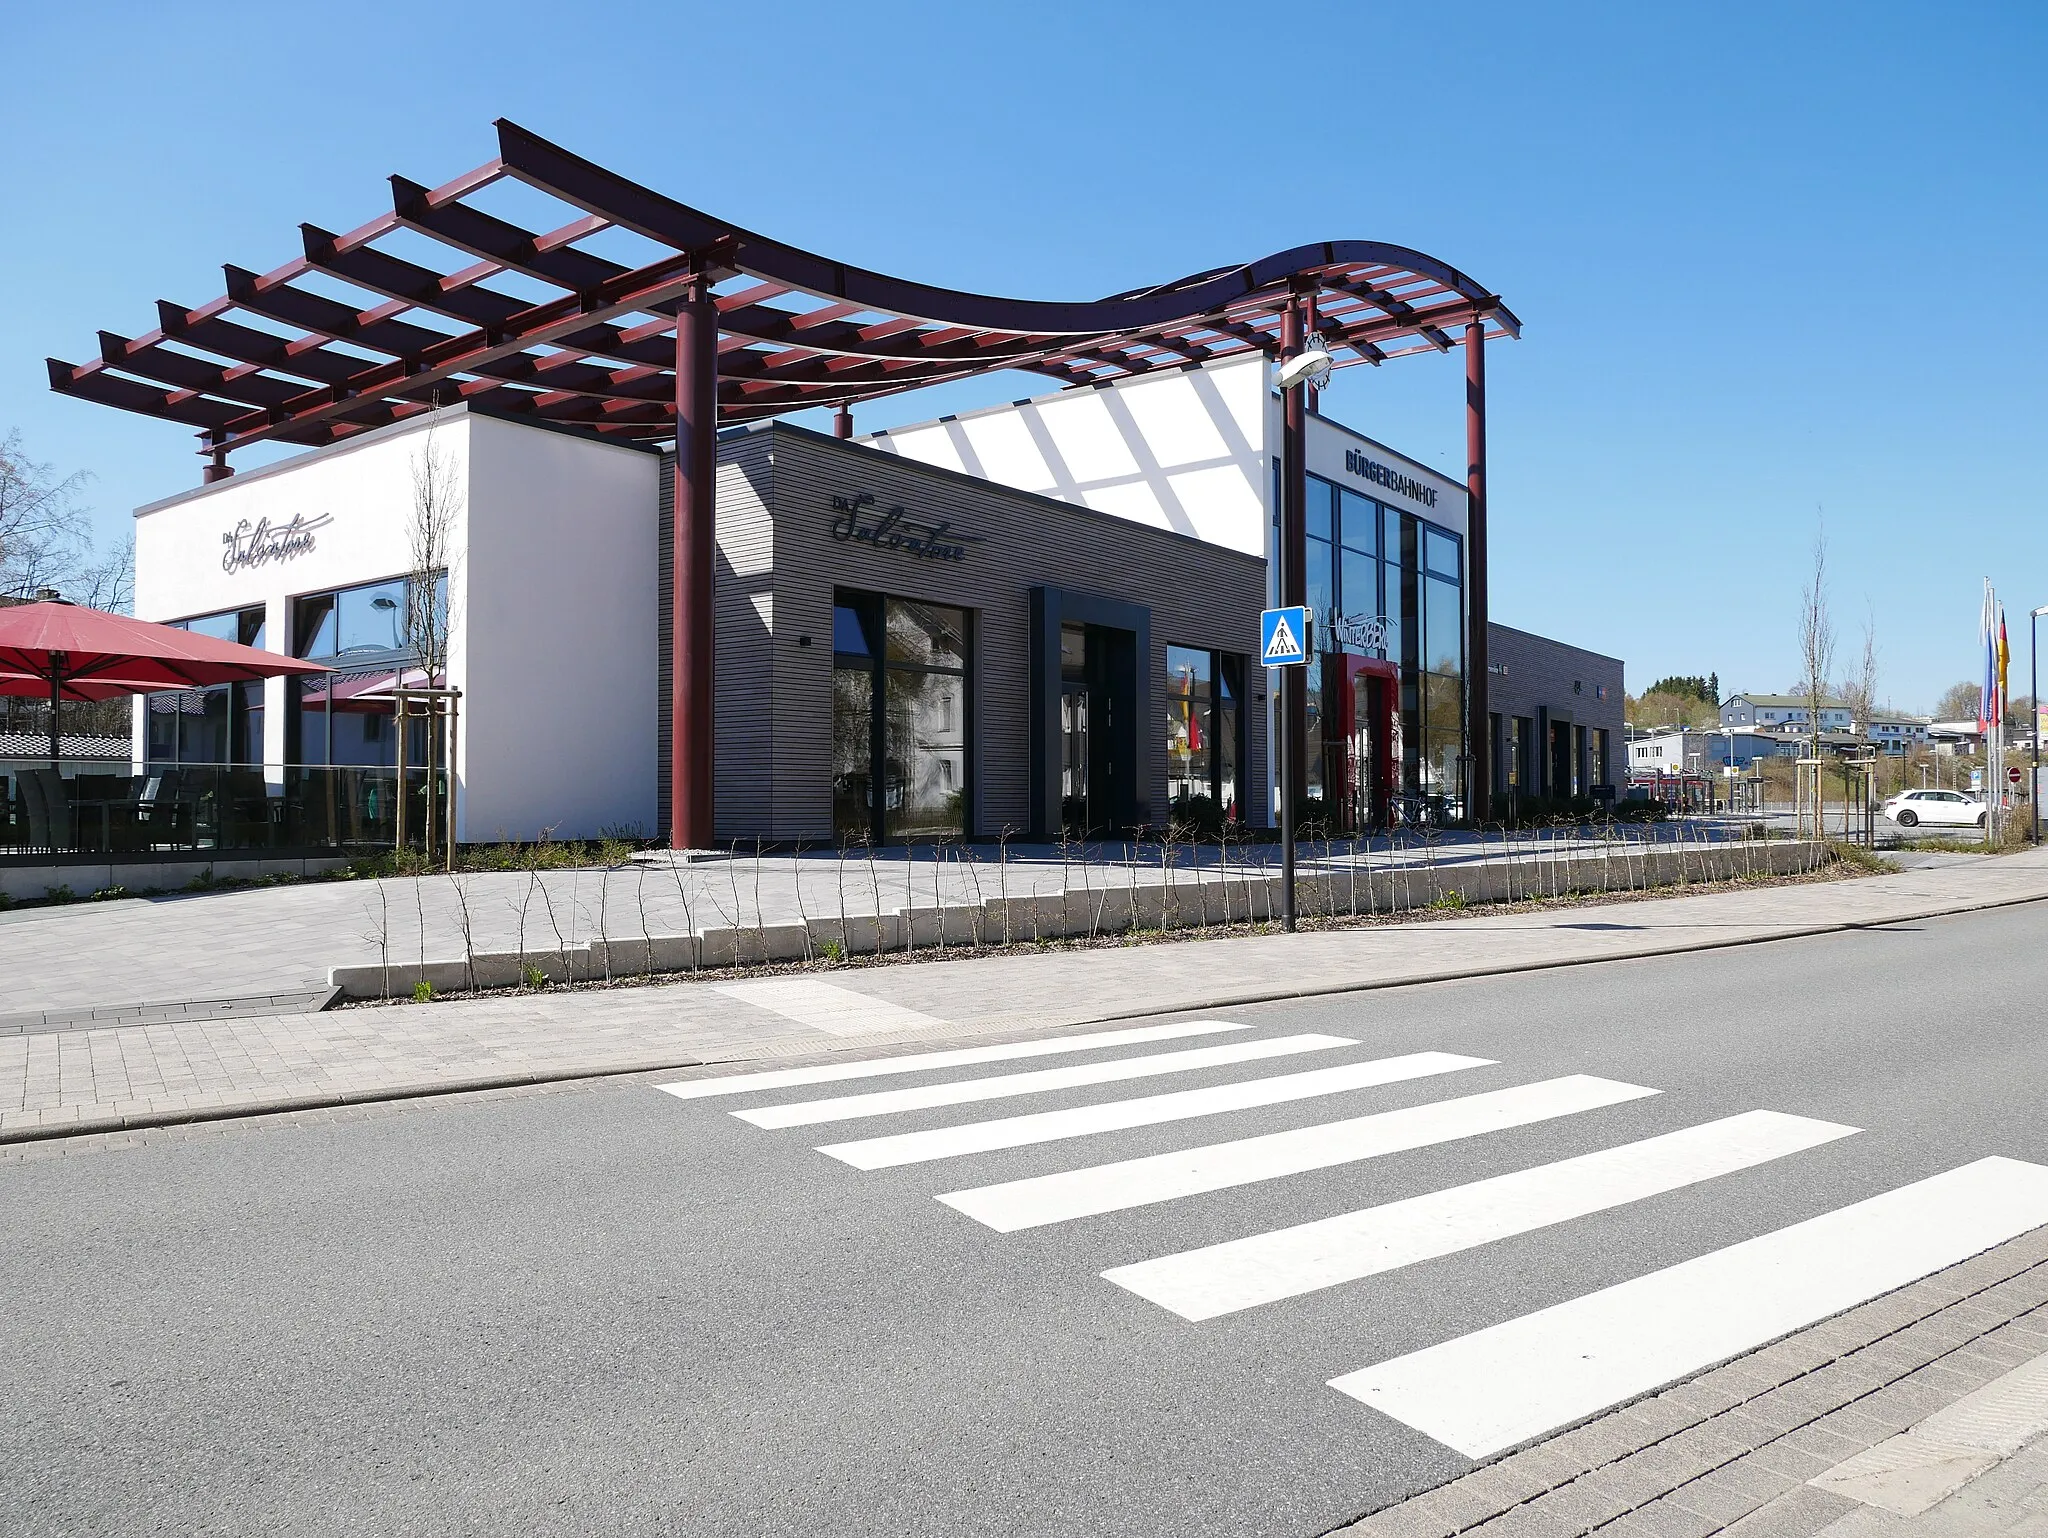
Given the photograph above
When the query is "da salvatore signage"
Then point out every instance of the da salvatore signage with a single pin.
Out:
(264, 543)
(860, 520)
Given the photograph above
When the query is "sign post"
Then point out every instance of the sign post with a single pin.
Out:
(1283, 643)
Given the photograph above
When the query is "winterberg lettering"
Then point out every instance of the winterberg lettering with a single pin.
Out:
(1372, 470)
(263, 542)
(860, 520)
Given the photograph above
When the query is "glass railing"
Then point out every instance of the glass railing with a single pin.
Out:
(103, 807)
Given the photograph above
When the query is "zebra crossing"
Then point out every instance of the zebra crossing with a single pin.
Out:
(1478, 1393)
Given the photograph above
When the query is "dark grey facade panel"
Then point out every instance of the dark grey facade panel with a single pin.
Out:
(779, 563)
(1545, 681)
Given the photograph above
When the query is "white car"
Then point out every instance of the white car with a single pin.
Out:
(1950, 808)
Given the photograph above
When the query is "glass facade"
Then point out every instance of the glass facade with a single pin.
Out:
(1204, 749)
(347, 717)
(218, 725)
(1383, 583)
(900, 718)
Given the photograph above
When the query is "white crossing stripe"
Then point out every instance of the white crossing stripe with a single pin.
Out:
(1243, 1273)
(954, 1057)
(1489, 1390)
(826, 1006)
(1078, 1121)
(888, 1102)
(1082, 1193)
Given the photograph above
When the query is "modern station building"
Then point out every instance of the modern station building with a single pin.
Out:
(669, 612)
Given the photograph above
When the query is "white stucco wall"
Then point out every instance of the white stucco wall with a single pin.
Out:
(551, 597)
(363, 489)
(559, 702)
(1182, 450)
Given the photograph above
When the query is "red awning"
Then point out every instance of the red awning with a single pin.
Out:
(88, 655)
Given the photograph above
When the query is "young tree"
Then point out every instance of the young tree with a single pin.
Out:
(1958, 702)
(43, 535)
(430, 530)
(1816, 639)
(107, 582)
(1859, 689)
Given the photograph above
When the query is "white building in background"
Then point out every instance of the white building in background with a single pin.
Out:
(1667, 753)
(1778, 712)
(1894, 733)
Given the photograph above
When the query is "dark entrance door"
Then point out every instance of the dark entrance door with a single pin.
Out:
(1098, 750)
(1560, 754)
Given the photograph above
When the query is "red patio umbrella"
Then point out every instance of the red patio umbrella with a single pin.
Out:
(64, 652)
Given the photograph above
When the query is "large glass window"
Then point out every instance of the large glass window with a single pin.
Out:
(347, 717)
(218, 725)
(1189, 695)
(1443, 626)
(900, 719)
(1204, 691)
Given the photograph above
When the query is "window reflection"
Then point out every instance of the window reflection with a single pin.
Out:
(1203, 693)
(218, 725)
(899, 719)
(348, 717)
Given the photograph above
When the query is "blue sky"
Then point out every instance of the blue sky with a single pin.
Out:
(1774, 261)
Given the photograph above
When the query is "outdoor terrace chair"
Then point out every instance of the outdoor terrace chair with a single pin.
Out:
(50, 823)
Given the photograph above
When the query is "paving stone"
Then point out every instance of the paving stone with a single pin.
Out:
(1799, 1513)
(1702, 1448)
(1776, 1415)
(1741, 1426)
(1529, 1477)
(1758, 1478)
(1702, 1398)
(1668, 1518)
(1820, 1441)
(1670, 1412)
(1579, 1507)
(1544, 1462)
(1720, 1498)
(1634, 1480)
(1597, 1442)
(1790, 1461)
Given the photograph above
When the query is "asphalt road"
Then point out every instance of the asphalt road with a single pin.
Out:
(608, 1310)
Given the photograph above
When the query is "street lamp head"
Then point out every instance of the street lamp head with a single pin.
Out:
(1310, 367)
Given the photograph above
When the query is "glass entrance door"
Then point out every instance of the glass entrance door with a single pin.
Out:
(1075, 813)
(1365, 738)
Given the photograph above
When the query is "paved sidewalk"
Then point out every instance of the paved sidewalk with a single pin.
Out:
(186, 948)
(1802, 1438)
(53, 1083)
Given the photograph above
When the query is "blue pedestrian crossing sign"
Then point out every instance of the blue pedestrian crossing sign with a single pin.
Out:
(1283, 637)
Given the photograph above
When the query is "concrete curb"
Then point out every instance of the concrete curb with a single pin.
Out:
(87, 1126)
(832, 1047)
(1510, 969)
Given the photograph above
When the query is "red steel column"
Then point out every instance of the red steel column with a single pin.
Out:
(691, 759)
(842, 423)
(1478, 794)
(1293, 590)
(1294, 545)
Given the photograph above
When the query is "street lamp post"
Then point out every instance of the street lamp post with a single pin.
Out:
(2034, 691)
(1304, 364)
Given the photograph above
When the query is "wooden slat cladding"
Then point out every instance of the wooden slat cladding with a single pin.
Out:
(778, 564)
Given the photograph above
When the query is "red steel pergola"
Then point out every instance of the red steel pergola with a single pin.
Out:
(440, 302)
